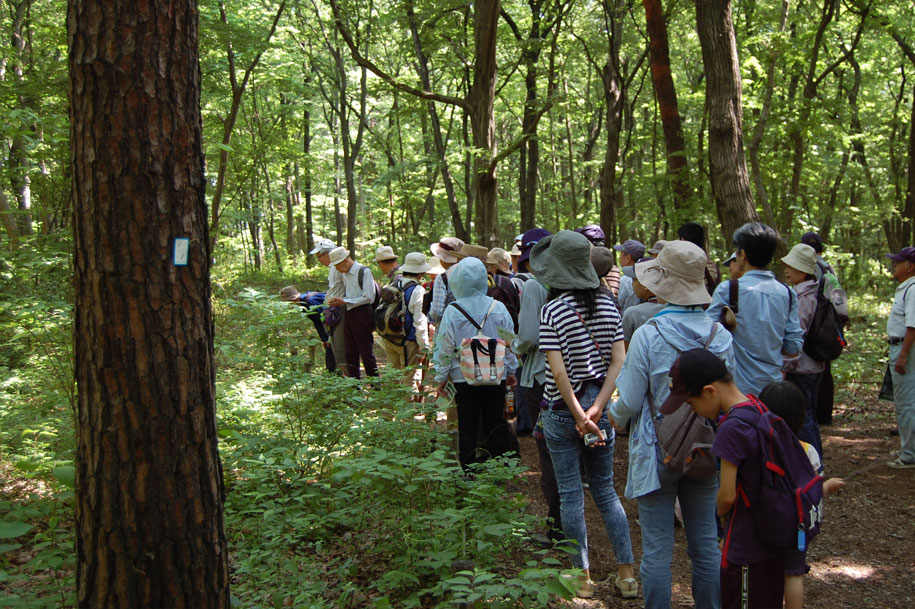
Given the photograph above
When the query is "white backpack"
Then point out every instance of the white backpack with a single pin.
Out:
(482, 357)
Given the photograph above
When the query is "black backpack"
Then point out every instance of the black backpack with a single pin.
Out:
(824, 340)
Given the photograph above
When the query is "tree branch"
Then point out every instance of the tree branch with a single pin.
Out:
(365, 63)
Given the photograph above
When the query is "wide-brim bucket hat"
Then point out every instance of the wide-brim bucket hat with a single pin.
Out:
(289, 294)
(435, 266)
(385, 252)
(677, 275)
(803, 258)
(338, 255)
(415, 262)
(563, 261)
(446, 249)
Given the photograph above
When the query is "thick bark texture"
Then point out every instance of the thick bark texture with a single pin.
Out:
(666, 93)
(727, 165)
(149, 519)
(481, 101)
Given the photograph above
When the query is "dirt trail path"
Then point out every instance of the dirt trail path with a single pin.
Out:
(865, 554)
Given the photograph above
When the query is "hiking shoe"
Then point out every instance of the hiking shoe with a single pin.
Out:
(898, 463)
(629, 588)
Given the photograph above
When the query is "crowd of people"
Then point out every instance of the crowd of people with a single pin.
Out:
(589, 349)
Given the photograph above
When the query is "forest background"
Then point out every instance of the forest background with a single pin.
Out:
(397, 123)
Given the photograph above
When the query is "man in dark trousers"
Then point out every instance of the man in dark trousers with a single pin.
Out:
(356, 292)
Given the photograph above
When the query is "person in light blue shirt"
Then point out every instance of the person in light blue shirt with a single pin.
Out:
(677, 277)
(630, 251)
(767, 315)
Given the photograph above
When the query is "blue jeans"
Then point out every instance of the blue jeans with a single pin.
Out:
(567, 449)
(656, 515)
(809, 384)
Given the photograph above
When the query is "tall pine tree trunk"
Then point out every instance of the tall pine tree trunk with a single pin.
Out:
(149, 490)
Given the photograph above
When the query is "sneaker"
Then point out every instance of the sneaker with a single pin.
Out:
(629, 588)
(898, 463)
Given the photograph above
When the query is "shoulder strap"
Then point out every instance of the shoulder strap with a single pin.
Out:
(733, 294)
(587, 329)
(469, 318)
(361, 273)
(492, 305)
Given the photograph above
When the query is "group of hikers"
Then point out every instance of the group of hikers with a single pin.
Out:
(721, 386)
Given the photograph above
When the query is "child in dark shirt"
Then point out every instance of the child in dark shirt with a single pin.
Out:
(752, 572)
(787, 401)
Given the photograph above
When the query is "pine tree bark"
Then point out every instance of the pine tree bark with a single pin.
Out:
(149, 490)
(727, 165)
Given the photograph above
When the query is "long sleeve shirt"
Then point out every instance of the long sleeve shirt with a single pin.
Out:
(348, 289)
(806, 307)
(767, 325)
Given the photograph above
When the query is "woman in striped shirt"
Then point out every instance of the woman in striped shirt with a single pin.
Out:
(581, 334)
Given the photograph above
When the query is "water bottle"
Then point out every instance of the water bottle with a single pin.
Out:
(509, 411)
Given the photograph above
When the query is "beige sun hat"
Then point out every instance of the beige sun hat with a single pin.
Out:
(415, 262)
(338, 255)
(385, 252)
(435, 266)
(289, 294)
(803, 258)
(677, 275)
(500, 258)
(657, 247)
(469, 250)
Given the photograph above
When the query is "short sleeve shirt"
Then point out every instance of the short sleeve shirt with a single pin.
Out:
(738, 442)
(562, 330)
(902, 314)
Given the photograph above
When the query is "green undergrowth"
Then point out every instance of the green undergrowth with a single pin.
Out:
(339, 492)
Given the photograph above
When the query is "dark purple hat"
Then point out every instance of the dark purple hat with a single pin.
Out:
(529, 240)
(632, 247)
(692, 371)
(594, 234)
(813, 240)
(905, 254)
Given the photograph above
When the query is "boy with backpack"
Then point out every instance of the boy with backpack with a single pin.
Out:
(769, 495)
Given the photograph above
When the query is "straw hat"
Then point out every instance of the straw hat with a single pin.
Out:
(338, 255)
(563, 261)
(415, 262)
(500, 258)
(677, 275)
(803, 258)
(472, 251)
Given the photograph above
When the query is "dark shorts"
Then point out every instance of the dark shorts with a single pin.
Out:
(764, 585)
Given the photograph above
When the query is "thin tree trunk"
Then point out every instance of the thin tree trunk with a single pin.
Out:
(661, 78)
(228, 125)
(613, 101)
(9, 221)
(149, 484)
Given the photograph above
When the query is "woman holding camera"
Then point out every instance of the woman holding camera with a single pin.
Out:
(581, 334)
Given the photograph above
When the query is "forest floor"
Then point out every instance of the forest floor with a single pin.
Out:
(864, 554)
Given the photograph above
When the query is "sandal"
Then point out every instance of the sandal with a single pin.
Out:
(629, 588)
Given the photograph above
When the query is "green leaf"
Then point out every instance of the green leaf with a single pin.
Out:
(9, 530)
(66, 475)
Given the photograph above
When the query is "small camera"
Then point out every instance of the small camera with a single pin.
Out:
(591, 438)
